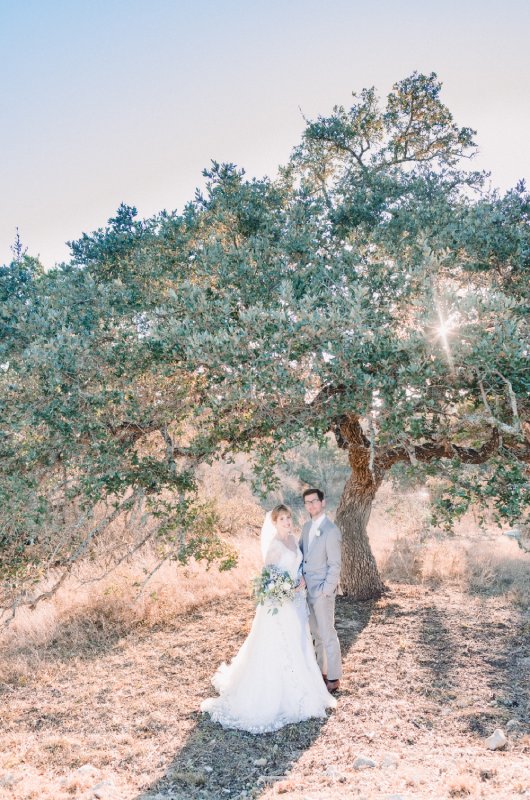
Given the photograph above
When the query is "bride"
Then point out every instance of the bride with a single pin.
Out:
(274, 679)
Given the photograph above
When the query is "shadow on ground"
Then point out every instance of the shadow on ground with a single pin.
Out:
(438, 645)
(505, 652)
(216, 763)
(457, 651)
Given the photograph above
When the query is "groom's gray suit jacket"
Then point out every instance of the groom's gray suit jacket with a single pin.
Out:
(321, 562)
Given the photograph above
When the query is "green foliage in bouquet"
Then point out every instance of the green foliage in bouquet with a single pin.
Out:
(272, 587)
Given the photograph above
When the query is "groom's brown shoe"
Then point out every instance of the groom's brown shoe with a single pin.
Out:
(332, 686)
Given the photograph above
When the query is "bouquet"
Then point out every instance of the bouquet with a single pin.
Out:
(273, 586)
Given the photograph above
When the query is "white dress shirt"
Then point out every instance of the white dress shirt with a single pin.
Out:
(315, 524)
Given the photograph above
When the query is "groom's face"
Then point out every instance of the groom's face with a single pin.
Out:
(314, 506)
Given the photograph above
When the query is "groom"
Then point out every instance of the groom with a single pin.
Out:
(320, 545)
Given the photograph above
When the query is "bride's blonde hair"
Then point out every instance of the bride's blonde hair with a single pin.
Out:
(277, 510)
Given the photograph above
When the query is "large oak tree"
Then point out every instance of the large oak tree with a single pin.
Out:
(375, 289)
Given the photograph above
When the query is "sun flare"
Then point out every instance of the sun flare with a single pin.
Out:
(446, 325)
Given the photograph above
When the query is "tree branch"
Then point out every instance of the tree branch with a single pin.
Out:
(74, 557)
(513, 402)
(149, 576)
(444, 449)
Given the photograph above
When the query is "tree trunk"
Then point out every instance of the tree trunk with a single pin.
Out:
(360, 578)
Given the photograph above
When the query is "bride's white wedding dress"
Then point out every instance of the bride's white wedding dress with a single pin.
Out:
(274, 679)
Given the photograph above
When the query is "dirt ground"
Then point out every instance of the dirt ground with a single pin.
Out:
(428, 675)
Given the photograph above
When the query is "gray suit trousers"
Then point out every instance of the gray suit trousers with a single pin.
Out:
(322, 625)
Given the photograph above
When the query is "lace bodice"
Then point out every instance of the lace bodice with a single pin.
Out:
(281, 556)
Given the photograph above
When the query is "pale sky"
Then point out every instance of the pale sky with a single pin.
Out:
(110, 101)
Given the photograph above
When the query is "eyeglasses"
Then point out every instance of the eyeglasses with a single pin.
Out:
(310, 502)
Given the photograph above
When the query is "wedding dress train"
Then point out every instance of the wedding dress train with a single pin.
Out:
(274, 679)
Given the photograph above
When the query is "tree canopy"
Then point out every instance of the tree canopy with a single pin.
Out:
(375, 289)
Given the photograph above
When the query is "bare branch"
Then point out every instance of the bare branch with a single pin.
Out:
(409, 447)
(371, 460)
(513, 401)
(150, 575)
(75, 556)
(125, 557)
(485, 419)
(511, 430)
(344, 147)
(485, 399)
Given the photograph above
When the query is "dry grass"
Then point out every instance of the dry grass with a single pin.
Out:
(427, 675)
(487, 567)
(101, 681)
(86, 617)
(477, 561)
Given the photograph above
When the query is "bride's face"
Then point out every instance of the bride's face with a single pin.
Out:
(284, 523)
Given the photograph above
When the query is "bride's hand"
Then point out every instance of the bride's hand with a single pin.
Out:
(301, 585)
